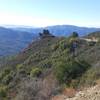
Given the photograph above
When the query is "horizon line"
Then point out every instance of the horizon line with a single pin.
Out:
(30, 26)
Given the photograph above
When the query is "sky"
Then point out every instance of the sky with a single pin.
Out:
(40, 13)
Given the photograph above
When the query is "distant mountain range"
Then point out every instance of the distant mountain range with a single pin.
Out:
(58, 30)
(15, 38)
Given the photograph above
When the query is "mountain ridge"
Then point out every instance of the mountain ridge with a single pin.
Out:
(46, 67)
(62, 30)
(21, 36)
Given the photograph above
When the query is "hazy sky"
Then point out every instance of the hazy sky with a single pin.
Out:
(50, 12)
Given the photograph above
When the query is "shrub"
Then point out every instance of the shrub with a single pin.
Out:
(29, 89)
(90, 77)
(4, 73)
(35, 72)
(19, 66)
(21, 69)
(75, 35)
(91, 43)
(3, 91)
(45, 63)
(61, 45)
(6, 76)
(65, 71)
(55, 47)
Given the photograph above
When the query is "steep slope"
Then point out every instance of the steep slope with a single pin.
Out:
(35, 56)
(45, 67)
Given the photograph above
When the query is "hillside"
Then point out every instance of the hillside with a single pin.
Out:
(94, 34)
(12, 42)
(46, 67)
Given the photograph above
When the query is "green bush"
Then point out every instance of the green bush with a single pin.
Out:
(7, 79)
(35, 72)
(75, 35)
(45, 64)
(6, 76)
(3, 91)
(61, 45)
(23, 69)
(4, 73)
(19, 66)
(90, 77)
(65, 71)
(55, 47)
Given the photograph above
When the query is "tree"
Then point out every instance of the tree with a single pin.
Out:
(75, 34)
(46, 32)
(40, 34)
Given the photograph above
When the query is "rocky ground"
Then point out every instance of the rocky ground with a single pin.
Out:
(89, 94)
(92, 93)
